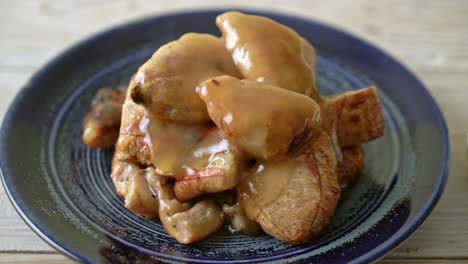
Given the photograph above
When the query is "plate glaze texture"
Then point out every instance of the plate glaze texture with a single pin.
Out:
(63, 191)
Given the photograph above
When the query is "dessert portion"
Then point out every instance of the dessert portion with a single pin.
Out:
(233, 130)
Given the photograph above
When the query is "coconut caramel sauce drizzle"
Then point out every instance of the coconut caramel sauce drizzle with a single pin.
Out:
(266, 181)
(220, 146)
(204, 153)
(176, 147)
(201, 147)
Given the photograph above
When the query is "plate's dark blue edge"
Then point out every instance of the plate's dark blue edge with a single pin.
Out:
(372, 255)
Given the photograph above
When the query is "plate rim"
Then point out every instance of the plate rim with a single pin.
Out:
(373, 255)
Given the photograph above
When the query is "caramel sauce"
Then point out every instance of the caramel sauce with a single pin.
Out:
(272, 118)
(169, 143)
(204, 152)
(166, 83)
(272, 53)
(263, 120)
(175, 147)
(264, 182)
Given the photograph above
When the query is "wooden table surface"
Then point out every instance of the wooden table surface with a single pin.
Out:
(429, 37)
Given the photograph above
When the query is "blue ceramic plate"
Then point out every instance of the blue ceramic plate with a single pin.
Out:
(63, 191)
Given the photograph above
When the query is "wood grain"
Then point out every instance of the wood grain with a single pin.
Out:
(430, 37)
(427, 261)
(18, 258)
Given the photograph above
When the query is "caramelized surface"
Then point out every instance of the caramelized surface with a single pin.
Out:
(293, 199)
(101, 123)
(356, 116)
(263, 120)
(147, 140)
(269, 52)
(186, 223)
(211, 166)
(131, 184)
(351, 166)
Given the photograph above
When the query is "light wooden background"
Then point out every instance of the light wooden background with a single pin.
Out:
(430, 37)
